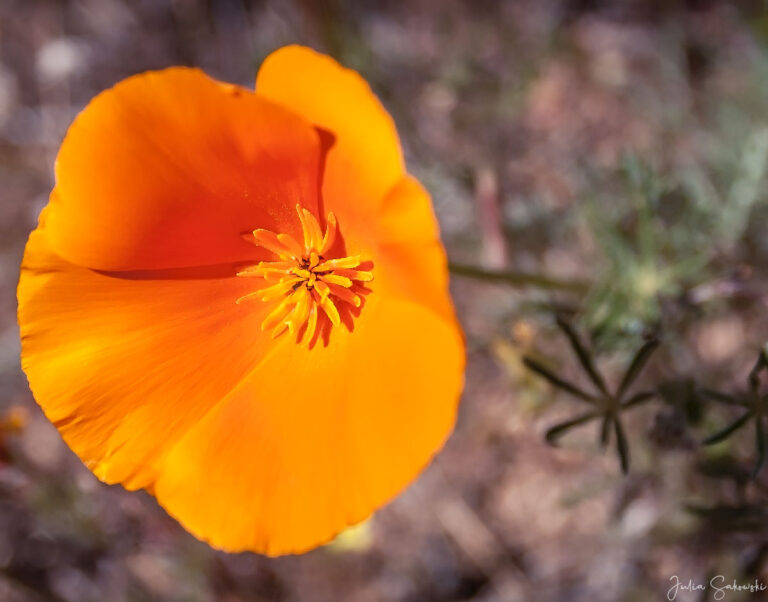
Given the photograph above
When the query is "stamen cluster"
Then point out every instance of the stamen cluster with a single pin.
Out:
(304, 280)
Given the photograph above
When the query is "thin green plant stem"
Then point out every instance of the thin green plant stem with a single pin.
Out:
(519, 279)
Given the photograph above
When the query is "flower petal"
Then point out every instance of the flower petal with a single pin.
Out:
(168, 169)
(406, 215)
(317, 439)
(409, 260)
(365, 160)
(124, 366)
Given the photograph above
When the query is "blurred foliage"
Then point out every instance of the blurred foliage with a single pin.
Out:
(667, 238)
(607, 406)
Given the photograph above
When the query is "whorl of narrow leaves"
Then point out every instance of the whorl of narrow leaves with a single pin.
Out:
(755, 404)
(607, 406)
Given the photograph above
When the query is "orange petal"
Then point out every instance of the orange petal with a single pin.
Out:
(316, 439)
(169, 168)
(366, 159)
(406, 215)
(125, 365)
(409, 261)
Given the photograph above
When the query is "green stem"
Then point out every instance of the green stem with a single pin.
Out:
(519, 278)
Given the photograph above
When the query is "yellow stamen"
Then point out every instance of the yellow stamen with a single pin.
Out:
(355, 275)
(341, 262)
(278, 290)
(330, 234)
(300, 311)
(312, 236)
(269, 240)
(290, 243)
(305, 281)
(314, 259)
(330, 310)
(252, 295)
(309, 333)
(345, 294)
(334, 279)
(278, 314)
(322, 288)
(264, 268)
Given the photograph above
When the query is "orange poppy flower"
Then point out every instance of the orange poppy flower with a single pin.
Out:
(238, 302)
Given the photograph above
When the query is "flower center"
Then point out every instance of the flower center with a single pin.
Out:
(304, 279)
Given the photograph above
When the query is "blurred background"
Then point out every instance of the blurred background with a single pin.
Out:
(602, 160)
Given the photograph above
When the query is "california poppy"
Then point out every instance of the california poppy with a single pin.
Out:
(238, 301)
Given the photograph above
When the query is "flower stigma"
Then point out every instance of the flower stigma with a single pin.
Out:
(303, 279)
